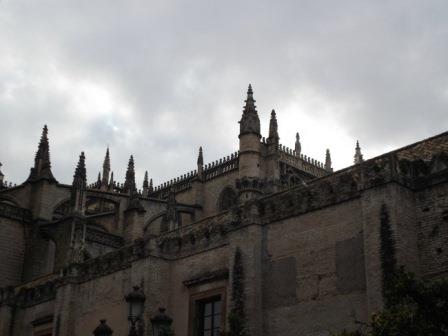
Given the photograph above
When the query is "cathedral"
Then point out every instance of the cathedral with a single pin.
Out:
(265, 240)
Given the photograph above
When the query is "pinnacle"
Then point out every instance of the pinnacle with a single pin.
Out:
(273, 128)
(328, 161)
(250, 123)
(129, 183)
(43, 149)
(80, 171)
(250, 101)
(298, 146)
(200, 157)
(145, 180)
(106, 163)
(42, 164)
(358, 158)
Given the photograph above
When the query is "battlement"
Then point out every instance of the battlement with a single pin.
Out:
(299, 161)
(7, 185)
(210, 170)
(221, 166)
(177, 184)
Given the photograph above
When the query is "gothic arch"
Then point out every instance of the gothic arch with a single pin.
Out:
(61, 209)
(227, 199)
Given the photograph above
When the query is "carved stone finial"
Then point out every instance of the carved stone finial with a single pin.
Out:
(145, 184)
(200, 164)
(103, 329)
(151, 187)
(200, 157)
(358, 158)
(273, 130)
(250, 123)
(298, 146)
(145, 180)
(328, 161)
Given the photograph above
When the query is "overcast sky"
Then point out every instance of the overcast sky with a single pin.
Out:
(157, 79)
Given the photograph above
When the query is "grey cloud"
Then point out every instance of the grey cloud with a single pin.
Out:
(177, 73)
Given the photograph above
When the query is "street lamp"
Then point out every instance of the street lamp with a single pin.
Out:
(161, 324)
(103, 329)
(136, 300)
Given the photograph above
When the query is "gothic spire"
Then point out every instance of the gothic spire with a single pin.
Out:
(79, 185)
(106, 169)
(358, 158)
(298, 146)
(129, 183)
(250, 123)
(328, 161)
(273, 129)
(151, 187)
(42, 164)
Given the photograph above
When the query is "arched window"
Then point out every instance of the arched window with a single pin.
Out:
(227, 199)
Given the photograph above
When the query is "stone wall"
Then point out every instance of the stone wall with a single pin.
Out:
(314, 278)
(12, 247)
(432, 216)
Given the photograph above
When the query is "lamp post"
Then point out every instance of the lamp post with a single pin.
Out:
(103, 329)
(136, 300)
(161, 324)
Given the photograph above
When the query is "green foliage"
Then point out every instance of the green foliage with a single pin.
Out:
(388, 261)
(166, 331)
(415, 308)
(237, 317)
(347, 333)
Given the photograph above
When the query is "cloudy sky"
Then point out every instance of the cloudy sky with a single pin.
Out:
(157, 79)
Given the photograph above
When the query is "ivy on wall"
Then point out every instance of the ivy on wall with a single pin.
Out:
(388, 259)
(237, 316)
